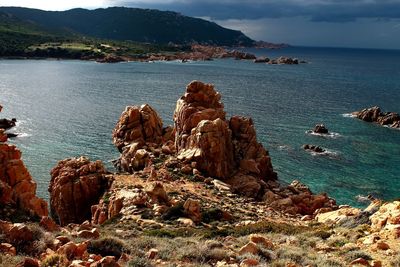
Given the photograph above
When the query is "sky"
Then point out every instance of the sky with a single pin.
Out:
(332, 23)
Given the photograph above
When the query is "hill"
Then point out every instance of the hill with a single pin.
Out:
(132, 24)
(16, 35)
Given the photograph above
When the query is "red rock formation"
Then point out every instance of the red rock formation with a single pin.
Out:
(200, 102)
(16, 184)
(210, 146)
(138, 125)
(138, 129)
(225, 150)
(250, 156)
(76, 184)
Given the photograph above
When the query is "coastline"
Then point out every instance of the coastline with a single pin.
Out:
(170, 195)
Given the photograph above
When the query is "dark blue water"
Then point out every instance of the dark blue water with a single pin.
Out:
(69, 108)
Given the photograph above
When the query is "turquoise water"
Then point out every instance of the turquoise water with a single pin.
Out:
(69, 108)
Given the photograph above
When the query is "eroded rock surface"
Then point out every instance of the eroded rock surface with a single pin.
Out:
(76, 184)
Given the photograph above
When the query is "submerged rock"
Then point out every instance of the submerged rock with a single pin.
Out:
(314, 148)
(76, 184)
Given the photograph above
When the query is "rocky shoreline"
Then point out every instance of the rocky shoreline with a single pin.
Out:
(194, 53)
(202, 192)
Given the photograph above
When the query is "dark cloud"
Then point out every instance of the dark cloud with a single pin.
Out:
(316, 10)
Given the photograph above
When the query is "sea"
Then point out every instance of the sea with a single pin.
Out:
(68, 108)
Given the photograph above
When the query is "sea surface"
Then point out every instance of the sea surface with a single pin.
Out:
(69, 108)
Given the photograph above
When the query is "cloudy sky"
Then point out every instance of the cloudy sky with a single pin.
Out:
(345, 23)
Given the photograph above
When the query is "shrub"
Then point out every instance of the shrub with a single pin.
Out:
(355, 254)
(107, 246)
(55, 260)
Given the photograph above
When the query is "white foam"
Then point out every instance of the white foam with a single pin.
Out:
(283, 147)
(330, 135)
(349, 115)
(363, 199)
(327, 152)
(22, 135)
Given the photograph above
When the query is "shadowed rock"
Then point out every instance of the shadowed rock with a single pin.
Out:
(76, 184)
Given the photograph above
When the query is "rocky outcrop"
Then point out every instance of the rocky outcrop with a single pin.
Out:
(7, 124)
(387, 220)
(137, 125)
(320, 129)
(220, 148)
(297, 198)
(138, 131)
(374, 114)
(200, 102)
(76, 184)
(16, 184)
(285, 60)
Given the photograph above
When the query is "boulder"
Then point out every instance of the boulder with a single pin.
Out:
(28, 262)
(156, 193)
(192, 209)
(76, 184)
(48, 224)
(321, 129)
(8, 249)
(137, 125)
(250, 248)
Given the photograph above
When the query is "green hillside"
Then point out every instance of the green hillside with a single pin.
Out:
(133, 24)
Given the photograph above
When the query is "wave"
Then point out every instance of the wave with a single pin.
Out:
(330, 135)
(349, 115)
(327, 152)
(22, 135)
(284, 147)
(364, 199)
